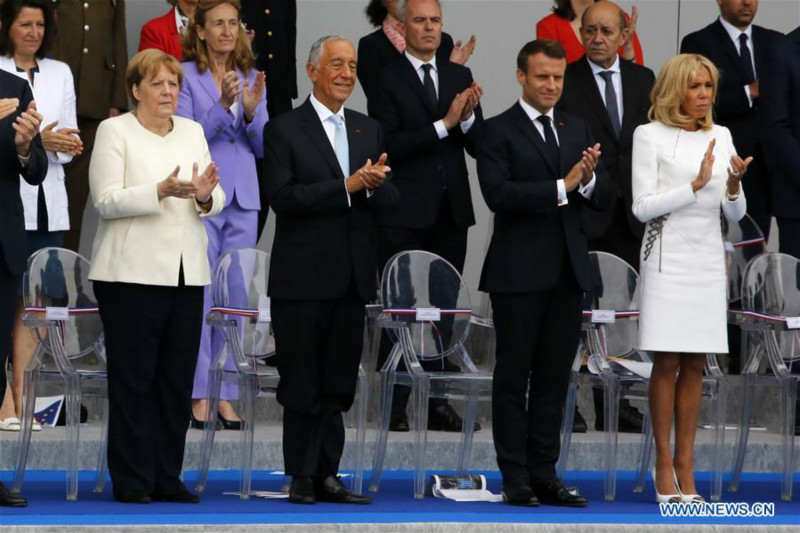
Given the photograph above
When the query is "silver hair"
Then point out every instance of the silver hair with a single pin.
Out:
(315, 53)
(402, 5)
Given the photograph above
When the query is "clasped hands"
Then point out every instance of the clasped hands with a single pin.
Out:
(199, 187)
(463, 105)
(583, 170)
(26, 124)
(370, 176)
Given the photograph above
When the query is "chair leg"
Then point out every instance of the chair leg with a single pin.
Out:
(209, 430)
(421, 395)
(362, 396)
(645, 451)
(28, 402)
(382, 434)
(718, 404)
(788, 406)
(248, 389)
(566, 428)
(744, 431)
(611, 393)
(467, 430)
(73, 420)
(102, 460)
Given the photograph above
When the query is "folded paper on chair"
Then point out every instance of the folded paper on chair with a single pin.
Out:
(635, 367)
(466, 488)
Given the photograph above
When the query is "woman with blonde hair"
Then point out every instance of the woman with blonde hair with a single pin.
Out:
(227, 96)
(685, 169)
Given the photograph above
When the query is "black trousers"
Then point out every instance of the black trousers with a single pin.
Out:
(445, 239)
(789, 236)
(152, 339)
(318, 345)
(9, 284)
(537, 336)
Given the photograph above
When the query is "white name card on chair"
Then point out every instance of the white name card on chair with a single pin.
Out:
(604, 316)
(729, 247)
(793, 322)
(429, 314)
(57, 313)
(264, 314)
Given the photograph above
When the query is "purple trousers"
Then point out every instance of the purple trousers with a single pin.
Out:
(234, 227)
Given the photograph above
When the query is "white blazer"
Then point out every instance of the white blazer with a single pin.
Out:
(141, 239)
(54, 92)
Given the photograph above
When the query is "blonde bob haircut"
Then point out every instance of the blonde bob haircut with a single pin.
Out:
(147, 63)
(669, 91)
(196, 50)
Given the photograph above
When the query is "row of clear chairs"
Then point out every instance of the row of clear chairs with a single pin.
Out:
(427, 312)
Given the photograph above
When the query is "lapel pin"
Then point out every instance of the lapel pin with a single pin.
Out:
(358, 131)
(560, 124)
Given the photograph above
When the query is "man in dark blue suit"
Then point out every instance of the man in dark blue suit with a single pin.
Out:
(21, 154)
(780, 127)
(740, 50)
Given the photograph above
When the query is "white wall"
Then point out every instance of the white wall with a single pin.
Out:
(502, 27)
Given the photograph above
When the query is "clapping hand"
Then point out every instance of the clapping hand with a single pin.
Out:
(461, 53)
(251, 96)
(27, 128)
(8, 106)
(583, 170)
(738, 167)
(229, 89)
(704, 176)
(474, 94)
(64, 140)
(628, 51)
(173, 186)
(205, 182)
(370, 176)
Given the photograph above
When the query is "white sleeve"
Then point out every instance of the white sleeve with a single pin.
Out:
(648, 203)
(736, 209)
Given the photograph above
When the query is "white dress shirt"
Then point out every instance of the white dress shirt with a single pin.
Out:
(325, 116)
(616, 80)
(585, 190)
(417, 63)
(734, 34)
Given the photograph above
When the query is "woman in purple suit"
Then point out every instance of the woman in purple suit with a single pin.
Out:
(227, 96)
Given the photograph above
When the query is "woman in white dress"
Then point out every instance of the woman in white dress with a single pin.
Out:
(685, 169)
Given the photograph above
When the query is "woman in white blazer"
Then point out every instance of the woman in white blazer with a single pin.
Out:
(685, 171)
(152, 181)
(26, 32)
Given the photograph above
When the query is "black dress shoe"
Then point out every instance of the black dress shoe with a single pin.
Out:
(554, 492)
(9, 499)
(445, 418)
(399, 422)
(630, 419)
(302, 490)
(578, 423)
(235, 425)
(330, 489)
(519, 493)
(182, 496)
(133, 496)
(201, 424)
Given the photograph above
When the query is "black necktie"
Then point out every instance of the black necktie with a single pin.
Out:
(430, 88)
(550, 139)
(747, 60)
(611, 101)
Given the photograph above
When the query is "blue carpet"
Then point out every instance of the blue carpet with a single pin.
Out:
(393, 504)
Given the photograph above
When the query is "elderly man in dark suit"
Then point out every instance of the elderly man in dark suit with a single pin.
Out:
(538, 171)
(92, 40)
(740, 50)
(429, 110)
(327, 173)
(21, 155)
(780, 127)
(613, 96)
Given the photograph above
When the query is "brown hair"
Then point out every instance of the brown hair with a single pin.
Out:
(10, 10)
(196, 50)
(551, 49)
(148, 63)
(670, 88)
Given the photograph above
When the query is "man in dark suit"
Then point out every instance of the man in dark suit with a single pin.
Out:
(537, 169)
(21, 154)
(429, 111)
(274, 23)
(780, 127)
(739, 49)
(613, 97)
(326, 191)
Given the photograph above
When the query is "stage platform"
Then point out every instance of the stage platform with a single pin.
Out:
(395, 509)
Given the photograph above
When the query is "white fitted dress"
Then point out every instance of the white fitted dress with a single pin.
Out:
(683, 301)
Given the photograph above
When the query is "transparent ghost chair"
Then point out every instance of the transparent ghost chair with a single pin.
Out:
(607, 346)
(771, 316)
(241, 309)
(61, 310)
(428, 315)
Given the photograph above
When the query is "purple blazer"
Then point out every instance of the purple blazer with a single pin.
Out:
(233, 149)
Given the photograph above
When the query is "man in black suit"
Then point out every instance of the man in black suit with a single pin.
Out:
(429, 111)
(274, 23)
(537, 169)
(612, 110)
(740, 50)
(21, 154)
(780, 126)
(326, 191)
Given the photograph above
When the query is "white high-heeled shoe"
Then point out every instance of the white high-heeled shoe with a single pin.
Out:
(666, 498)
(687, 498)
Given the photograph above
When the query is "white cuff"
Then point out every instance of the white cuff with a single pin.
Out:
(747, 92)
(588, 189)
(23, 161)
(369, 193)
(467, 124)
(441, 130)
(562, 193)
(347, 193)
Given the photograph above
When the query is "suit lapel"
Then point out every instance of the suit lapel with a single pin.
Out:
(207, 82)
(447, 89)
(527, 127)
(412, 78)
(728, 46)
(564, 130)
(354, 136)
(627, 98)
(592, 93)
(760, 56)
(316, 133)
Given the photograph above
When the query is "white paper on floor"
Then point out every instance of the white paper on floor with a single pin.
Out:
(466, 488)
(282, 473)
(260, 494)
